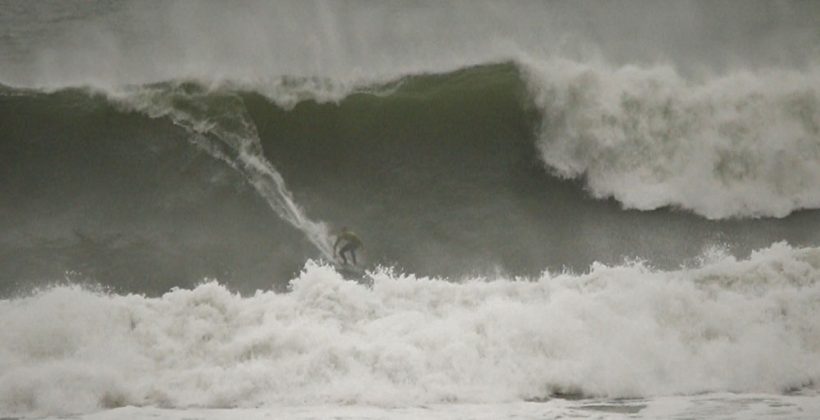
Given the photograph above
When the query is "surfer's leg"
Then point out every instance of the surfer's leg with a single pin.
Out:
(353, 254)
(345, 249)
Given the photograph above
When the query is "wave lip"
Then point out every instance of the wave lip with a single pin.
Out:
(746, 144)
(616, 331)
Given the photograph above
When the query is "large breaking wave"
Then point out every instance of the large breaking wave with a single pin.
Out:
(457, 165)
(736, 145)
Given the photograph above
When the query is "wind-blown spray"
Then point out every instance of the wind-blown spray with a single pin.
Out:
(219, 124)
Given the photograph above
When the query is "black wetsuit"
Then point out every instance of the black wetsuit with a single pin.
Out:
(352, 243)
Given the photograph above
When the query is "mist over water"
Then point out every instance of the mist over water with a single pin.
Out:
(108, 43)
(581, 198)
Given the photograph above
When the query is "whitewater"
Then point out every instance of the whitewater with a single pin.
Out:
(568, 209)
(614, 332)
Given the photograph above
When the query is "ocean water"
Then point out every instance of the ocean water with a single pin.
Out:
(584, 209)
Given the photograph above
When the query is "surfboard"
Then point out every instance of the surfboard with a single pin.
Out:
(350, 272)
(348, 268)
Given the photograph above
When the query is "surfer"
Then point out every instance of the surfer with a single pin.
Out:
(351, 244)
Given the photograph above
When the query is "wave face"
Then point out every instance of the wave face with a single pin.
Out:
(621, 331)
(147, 187)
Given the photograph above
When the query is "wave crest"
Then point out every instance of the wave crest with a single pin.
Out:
(741, 145)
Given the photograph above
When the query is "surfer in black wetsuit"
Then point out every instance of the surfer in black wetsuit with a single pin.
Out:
(351, 244)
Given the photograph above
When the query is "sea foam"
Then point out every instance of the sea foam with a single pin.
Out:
(615, 331)
(742, 144)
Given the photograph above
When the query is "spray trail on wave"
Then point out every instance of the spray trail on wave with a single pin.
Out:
(219, 124)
